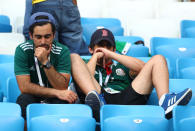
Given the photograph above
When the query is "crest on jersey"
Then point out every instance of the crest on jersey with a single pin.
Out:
(120, 72)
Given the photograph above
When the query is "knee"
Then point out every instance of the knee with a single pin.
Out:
(25, 99)
(159, 59)
(74, 56)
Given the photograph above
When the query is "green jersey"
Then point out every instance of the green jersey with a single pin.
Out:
(24, 62)
(118, 80)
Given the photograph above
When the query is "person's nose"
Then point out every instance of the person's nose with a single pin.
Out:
(43, 40)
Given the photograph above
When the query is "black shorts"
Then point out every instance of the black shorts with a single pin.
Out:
(126, 97)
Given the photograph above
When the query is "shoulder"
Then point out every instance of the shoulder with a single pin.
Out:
(58, 48)
(24, 48)
(28, 45)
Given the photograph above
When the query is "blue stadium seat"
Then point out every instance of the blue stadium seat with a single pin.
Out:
(130, 39)
(176, 86)
(6, 71)
(4, 58)
(132, 117)
(10, 117)
(187, 28)
(184, 118)
(13, 90)
(185, 68)
(4, 20)
(173, 48)
(5, 28)
(5, 24)
(138, 51)
(58, 117)
(100, 21)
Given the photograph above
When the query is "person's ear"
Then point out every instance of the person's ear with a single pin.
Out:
(91, 50)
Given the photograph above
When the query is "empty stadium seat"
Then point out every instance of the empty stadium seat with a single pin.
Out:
(58, 117)
(176, 86)
(4, 20)
(184, 118)
(187, 28)
(100, 21)
(5, 24)
(133, 117)
(185, 68)
(10, 117)
(5, 28)
(6, 71)
(173, 48)
(13, 90)
(6, 58)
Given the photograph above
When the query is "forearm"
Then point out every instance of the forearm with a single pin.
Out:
(34, 89)
(57, 80)
(129, 62)
(92, 64)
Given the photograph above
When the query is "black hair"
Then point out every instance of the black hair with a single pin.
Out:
(31, 28)
(102, 43)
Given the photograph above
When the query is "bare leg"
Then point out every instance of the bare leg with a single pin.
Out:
(82, 76)
(154, 73)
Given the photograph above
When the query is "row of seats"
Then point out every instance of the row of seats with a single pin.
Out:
(74, 117)
(10, 90)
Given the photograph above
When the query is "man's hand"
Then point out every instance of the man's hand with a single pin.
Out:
(42, 54)
(66, 95)
(107, 53)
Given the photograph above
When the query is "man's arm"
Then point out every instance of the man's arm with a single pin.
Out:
(26, 86)
(57, 80)
(130, 62)
(93, 62)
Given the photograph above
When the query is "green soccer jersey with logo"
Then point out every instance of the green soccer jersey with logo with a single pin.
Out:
(118, 80)
(24, 62)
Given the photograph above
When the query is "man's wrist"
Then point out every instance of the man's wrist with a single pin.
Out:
(47, 65)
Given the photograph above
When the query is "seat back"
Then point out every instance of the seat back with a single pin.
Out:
(187, 28)
(137, 111)
(13, 90)
(6, 58)
(100, 21)
(10, 117)
(184, 118)
(6, 71)
(173, 48)
(185, 68)
(36, 110)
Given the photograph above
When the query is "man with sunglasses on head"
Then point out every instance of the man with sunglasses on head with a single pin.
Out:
(42, 66)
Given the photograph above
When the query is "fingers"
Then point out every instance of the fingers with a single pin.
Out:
(69, 96)
(41, 54)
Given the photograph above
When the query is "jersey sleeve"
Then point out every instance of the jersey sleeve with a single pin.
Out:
(64, 62)
(21, 62)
